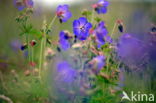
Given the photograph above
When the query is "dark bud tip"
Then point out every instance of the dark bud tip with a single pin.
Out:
(96, 9)
(66, 37)
(75, 36)
(153, 29)
(24, 46)
(120, 27)
(75, 39)
(60, 20)
(58, 49)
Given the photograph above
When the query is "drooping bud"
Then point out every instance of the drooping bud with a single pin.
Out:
(33, 43)
(24, 46)
(33, 64)
(120, 26)
(49, 41)
(153, 29)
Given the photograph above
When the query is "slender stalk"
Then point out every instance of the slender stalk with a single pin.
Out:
(43, 44)
(111, 35)
(32, 54)
(27, 40)
(52, 22)
(40, 59)
(115, 24)
(44, 47)
(6, 98)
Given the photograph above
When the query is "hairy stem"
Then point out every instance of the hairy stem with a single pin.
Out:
(115, 24)
(6, 98)
(27, 40)
(40, 59)
(52, 22)
(32, 54)
(111, 35)
(43, 44)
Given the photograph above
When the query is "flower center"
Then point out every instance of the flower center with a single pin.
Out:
(82, 28)
(60, 13)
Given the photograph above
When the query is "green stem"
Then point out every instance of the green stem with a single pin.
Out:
(40, 62)
(52, 22)
(43, 45)
(113, 29)
(32, 54)
(27, 40)
(111, 37)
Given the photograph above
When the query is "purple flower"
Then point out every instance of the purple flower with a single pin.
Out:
(108, 39)
(63, 13)
(100, 61)
(132, 51)
(101, 6)
(65, 72)
(15, 45)
(21, 4)
(97, 63)
(81, 28)
(101, 34)
(64, 40)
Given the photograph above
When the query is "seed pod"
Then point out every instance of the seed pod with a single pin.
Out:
(49, 41)
(24, 46)
(33, 64)
(33, 43)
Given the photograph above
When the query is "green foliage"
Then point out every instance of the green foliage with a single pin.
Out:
(97, 19)
(22, 88)
(107, 79)
(86, 13)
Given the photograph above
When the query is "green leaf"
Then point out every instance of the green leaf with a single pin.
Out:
(35, 32)
(97, 19)
(86, 13)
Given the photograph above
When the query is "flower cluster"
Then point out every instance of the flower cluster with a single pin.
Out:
(21, 4)
(81, 56)
(82, 38)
